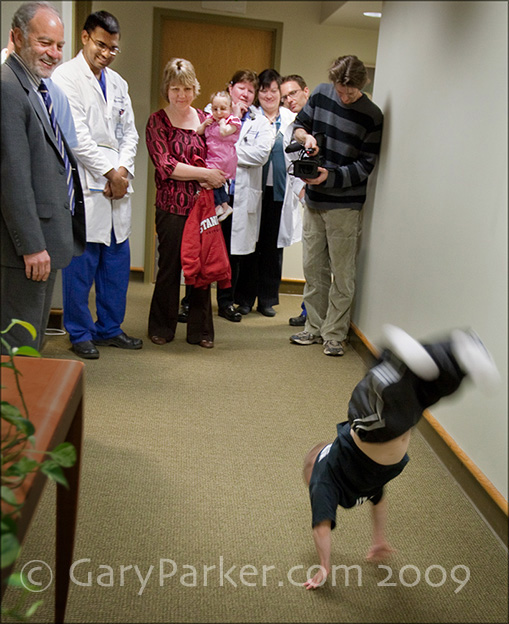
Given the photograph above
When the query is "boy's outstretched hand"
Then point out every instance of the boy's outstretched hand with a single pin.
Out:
(318, 579)
(380, 552)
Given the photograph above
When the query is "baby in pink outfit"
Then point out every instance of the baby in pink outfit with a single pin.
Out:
(221, 130)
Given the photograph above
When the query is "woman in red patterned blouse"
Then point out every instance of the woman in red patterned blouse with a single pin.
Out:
(178, 154)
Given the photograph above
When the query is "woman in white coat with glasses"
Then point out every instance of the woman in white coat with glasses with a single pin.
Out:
(253, 147)
(260, 270)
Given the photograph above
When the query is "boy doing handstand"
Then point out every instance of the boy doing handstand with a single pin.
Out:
(371, 446)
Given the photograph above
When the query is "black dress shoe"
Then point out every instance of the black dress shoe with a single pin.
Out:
(183, 313)
(229, 313)
(122, 341)
(266, 310)
(243, 309)
(158, 340)
(298, 321)
(206, 343)
(85, 350)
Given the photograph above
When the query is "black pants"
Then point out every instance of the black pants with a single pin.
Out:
(260, 272)
(226, 296)
(200, 324)
(163, 316)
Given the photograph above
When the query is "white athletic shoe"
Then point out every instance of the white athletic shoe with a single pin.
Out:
(474, 359)
(411, 353)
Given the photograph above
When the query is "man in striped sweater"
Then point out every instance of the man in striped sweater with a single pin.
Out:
(352, 127)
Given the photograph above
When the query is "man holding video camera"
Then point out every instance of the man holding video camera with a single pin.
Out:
(352, 127)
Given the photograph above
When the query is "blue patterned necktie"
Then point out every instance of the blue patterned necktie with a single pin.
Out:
(43, 90)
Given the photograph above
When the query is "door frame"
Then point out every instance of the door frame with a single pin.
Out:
(159, 16)
(82, 9)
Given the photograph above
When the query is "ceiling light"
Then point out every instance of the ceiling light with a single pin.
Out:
(372, 14)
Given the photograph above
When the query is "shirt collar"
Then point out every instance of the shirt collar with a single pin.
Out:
(276, 119)
(31, 76)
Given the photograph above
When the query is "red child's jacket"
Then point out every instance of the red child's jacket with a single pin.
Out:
(203, 250)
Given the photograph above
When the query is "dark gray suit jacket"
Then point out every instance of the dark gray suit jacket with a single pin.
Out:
(34, 200)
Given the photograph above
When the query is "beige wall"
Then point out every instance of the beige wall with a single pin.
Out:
(434, 245)
(307, 48)
(9, 7)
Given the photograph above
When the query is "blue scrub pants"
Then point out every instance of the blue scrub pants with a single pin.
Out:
(109, 267)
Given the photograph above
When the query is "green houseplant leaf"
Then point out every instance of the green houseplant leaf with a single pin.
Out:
(52, 470)
(28, 326)
(8, 496)
(26, 351)
(12, 415)
(10, 549)
(64, 454)
(22, 467)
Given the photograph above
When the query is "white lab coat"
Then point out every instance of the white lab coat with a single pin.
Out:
(107, 138)
(290, 229)
(253, 147)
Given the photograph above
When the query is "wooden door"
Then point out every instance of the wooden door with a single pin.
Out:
(217, 51)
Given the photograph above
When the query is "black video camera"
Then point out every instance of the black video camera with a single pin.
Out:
(306, 166)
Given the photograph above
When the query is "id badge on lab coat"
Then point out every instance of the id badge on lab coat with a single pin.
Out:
(119, 128)
(118, 115)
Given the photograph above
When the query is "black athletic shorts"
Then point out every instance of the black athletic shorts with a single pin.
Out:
(344, 476)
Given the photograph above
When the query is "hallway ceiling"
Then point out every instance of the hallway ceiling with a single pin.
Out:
(350, 14)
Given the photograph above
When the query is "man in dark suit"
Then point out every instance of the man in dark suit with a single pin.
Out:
(42, 213)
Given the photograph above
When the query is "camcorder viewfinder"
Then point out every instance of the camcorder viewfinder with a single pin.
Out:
(306, 166)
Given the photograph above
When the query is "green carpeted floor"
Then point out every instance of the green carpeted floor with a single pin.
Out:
(192, 475)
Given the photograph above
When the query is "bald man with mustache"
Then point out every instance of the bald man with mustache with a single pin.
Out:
(43, 220)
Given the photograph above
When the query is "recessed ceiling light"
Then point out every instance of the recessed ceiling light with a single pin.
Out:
(372, 14)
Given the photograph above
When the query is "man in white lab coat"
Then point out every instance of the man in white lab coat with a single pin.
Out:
(294, 94)
(107, 142)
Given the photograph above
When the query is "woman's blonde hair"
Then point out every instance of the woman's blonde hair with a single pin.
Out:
(181, 72)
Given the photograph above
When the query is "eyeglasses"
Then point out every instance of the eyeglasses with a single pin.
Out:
(105, 48)
(292, 95)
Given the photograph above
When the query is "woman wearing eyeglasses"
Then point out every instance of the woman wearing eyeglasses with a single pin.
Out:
(260, 271)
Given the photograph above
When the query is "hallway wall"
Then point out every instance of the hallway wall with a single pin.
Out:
(434, 245)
